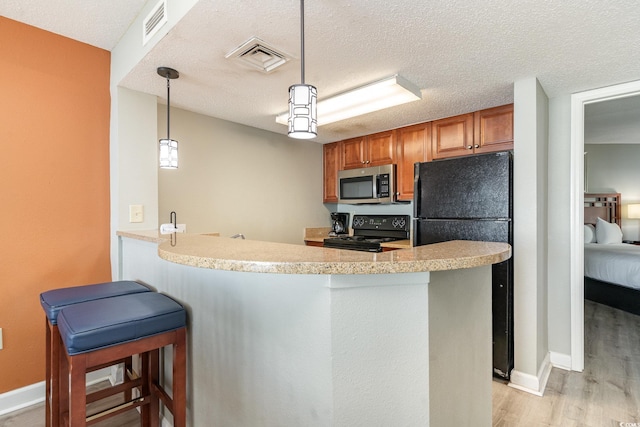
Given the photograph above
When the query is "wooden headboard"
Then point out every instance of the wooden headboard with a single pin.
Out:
(604, 205)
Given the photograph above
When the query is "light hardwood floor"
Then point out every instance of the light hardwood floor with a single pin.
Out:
(606, 394)
(34, 415)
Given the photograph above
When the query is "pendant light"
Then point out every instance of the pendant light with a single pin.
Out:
(303, 122)
(168, 146)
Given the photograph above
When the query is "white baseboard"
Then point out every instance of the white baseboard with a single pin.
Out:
(33, 394)
(15, 400)
(560, 360)
(534, 384)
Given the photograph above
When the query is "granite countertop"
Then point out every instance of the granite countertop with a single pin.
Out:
(223, 253)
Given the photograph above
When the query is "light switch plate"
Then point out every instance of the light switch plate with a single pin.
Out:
(136, 213)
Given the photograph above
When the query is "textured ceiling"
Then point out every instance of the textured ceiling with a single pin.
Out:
(98, 23)
(463, 55)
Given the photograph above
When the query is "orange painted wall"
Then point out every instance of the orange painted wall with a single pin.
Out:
(54, 183)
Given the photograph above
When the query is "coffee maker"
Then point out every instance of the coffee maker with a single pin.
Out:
(339, 224)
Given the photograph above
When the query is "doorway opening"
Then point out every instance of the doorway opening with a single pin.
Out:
(578, 102)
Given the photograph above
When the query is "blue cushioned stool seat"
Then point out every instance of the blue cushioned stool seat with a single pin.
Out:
(99, 333)
(96, 324)
(54, 300)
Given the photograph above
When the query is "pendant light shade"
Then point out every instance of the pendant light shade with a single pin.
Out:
(303, 117)
(303, 123)
(168, 146)
(168, 154)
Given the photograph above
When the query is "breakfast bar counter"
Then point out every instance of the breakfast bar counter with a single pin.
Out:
(291, 335)
(268, 257)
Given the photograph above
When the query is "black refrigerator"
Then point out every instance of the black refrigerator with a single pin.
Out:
(471, 198)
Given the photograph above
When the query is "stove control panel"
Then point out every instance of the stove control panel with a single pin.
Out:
(381, 222)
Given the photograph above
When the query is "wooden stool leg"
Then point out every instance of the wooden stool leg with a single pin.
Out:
(61, 392)
(180, 379)
(128, 367)
(150, 374)
(54, 362)
(47, 380)
(78, 398)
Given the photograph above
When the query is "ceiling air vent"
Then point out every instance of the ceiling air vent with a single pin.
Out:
(154, 21)
(258, 54)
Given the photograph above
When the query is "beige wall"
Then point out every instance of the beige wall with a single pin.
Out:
(237, 179)
(614, 168)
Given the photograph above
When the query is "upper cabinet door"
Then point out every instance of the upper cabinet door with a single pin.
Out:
(452, 137)
(380, 148)
(370, 150)
(353, 154)
(414, 146)
(493, 129)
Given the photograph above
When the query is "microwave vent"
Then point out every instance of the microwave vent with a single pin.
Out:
(259, 55)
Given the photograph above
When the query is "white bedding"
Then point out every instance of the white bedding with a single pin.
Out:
(614, 263)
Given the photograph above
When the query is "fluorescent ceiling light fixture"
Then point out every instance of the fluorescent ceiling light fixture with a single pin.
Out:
(385, 93)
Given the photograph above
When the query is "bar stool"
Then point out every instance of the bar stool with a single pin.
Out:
(52, 302)
(97, 333)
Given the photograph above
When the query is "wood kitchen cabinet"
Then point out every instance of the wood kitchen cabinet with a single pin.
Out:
(413, 145)
(481, 132)
(370, 150)
(452, 137)
(331, 155)
(493, 129)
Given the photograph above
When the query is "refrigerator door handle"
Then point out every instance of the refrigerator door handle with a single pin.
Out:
(416, 189)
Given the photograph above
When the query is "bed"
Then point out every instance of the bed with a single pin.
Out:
(611, 268)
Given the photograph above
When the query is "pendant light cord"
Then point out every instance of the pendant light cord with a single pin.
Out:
(168, 107)
(302, 40)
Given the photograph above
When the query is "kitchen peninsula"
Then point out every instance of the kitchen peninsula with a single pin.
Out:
(291, 335)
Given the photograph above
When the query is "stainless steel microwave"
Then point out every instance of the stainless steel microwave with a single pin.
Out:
(376, 184)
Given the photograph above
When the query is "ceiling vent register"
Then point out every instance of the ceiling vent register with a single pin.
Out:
(154, 21)
(259, 55)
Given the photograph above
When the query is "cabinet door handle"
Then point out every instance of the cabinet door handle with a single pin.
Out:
(363, 162)
(469, 147)
(477, 146)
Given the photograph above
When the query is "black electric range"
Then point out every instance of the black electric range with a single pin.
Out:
(370, 231)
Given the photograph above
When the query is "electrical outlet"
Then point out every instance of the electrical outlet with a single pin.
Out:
(136, 213)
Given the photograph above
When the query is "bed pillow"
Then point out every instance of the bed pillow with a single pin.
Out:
(607, 232)
(589, 233)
